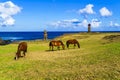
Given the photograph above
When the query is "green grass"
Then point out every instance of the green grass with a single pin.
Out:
(97, 59)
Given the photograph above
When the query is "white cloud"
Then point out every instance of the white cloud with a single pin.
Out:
(117, 25)
(87, 10)
(65, 23)
(105, 12)
(112, 24)
(74, 23)
(84, 23)
(95, 23)
(72, 20)
(7, 10)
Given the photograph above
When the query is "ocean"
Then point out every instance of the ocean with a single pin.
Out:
(13, 36)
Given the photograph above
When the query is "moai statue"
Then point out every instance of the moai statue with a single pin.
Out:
(89, 28)
(45, 35)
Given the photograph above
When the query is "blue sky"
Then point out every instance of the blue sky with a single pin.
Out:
(59, 15)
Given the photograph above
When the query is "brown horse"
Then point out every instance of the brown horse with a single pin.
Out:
(72, 41)
(21, 47)
(56, 43)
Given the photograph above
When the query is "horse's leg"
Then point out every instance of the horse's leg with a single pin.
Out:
(49, 47)
(26, 50)
(67, 45)
(52, 48)
(24, 53)
(63, 47)
(58, 47)
(74, 46)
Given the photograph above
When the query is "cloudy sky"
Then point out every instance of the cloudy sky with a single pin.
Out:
(59, 15)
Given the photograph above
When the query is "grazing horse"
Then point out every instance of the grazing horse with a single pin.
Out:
(56, 43)
(72, 41)
(21, 47)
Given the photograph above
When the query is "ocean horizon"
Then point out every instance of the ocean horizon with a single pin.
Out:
(13, 36)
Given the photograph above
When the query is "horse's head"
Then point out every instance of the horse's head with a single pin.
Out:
(16, 57)
(63, 46)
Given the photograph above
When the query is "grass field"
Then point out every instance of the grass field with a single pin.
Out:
(97, 59)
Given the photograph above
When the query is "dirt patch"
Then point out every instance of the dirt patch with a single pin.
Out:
(69, 36)
(80, 37)
(112, 38)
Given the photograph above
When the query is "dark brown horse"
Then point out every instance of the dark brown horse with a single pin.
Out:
(56, 43)
(21, 47)
(72, 41)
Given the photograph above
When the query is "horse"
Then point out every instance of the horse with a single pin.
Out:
(56, 43)
(21, 47)
(72, 41)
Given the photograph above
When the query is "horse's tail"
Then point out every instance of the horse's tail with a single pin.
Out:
(78, 44)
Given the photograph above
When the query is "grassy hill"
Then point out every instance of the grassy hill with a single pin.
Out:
(97, 59)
